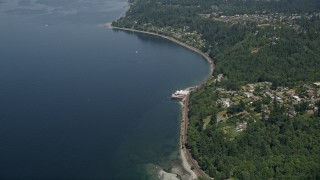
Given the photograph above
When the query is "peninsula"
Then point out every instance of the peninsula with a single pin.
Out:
(257, 116)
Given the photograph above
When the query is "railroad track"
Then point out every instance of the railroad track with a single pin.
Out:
(189, 158)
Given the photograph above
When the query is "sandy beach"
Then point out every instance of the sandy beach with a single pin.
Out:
(187, 162)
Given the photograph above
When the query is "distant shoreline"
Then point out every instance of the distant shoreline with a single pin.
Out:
(185, 154)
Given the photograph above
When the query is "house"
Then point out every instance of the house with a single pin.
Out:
(224, 102)
(292, 112)
(317, 84)
(255, 98)
(311, 93)
(297, 98)
(269, 95)
(250, 87)
(290, 92)
(241, 126)
(279, 100)
(220, 90)
(220, 76)
(248, 94)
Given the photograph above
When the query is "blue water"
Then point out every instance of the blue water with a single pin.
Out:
(80, 101)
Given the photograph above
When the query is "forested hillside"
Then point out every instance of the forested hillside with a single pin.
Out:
(280, 146)
(260, 118)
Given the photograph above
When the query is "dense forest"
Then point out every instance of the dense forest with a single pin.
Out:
(251, 41)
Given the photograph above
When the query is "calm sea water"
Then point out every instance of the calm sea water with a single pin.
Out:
(81, 101)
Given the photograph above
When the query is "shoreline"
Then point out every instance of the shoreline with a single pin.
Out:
(187, 162)
(208, 59)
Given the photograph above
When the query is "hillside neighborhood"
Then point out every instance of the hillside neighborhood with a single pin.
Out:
(255, 101)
